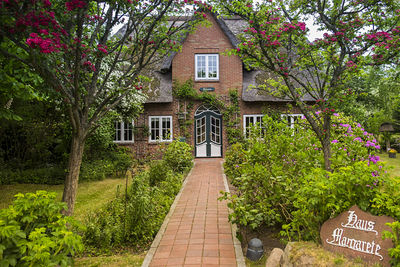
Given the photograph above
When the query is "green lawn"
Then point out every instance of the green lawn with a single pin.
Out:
(394, 164)
(91, 195)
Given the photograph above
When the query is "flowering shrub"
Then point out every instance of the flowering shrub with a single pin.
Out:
(281, 180)
(322, 195)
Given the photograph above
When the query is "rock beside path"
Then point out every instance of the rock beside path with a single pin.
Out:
(274, 258)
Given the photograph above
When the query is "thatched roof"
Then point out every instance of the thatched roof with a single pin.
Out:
(160, 89)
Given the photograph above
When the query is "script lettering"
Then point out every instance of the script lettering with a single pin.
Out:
(354, 223)
(357, 245)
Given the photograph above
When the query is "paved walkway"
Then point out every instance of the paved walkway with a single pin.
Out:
(198, 232)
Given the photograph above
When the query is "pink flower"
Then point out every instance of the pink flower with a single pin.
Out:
(301, 25)
(74, 4)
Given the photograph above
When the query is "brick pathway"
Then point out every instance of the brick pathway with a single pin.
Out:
(198, 232)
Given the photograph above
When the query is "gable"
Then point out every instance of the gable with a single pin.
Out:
(209, 40)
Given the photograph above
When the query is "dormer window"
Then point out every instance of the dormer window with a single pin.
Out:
(207, 67)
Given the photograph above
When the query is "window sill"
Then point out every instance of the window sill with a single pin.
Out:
(206, 81)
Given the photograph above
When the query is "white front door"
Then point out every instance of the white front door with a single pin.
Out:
(208, 132)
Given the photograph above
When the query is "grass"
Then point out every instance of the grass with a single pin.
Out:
(394, 164)
(91, 195)
(259, 263)
(120, 260)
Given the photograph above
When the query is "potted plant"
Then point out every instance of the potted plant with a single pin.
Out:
(392, 153)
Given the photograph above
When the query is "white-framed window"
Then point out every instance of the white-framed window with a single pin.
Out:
(252, 120)
(160, 128)
(207, 67)
(291, 119)
(123, 132)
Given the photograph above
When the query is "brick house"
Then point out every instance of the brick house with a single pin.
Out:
(203, 61)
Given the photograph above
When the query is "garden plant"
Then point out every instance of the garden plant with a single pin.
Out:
(281, 180)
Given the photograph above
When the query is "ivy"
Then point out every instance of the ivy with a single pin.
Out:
(186, 95)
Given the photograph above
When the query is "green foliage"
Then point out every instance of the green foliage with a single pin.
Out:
(158, 171)
(322, 195)
(394, 252)
(230, 111)
(178, 156)
(234, 157)
(375, 97)
(17, 82)
(34, 232)
(184, 90)
(49, 175)
(281, 181)
(135, 218)
(114, 163)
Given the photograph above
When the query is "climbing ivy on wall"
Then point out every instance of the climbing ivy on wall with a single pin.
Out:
(230, 109)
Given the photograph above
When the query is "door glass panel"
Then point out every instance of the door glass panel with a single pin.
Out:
(201, 130)
(215, 130)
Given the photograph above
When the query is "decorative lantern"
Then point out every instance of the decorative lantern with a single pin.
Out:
(254, 249)
(387, 128)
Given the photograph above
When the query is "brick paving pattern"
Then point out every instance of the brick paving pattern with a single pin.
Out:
(198, 232)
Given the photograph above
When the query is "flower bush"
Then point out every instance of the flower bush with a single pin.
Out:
(281, 180)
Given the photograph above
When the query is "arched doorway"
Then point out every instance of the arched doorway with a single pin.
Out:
(208, 131)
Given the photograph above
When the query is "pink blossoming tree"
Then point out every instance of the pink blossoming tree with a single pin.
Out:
(356, 33)
(73, 47)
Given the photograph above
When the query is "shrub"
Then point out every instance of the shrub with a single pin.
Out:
(178, 156)
(49, 175)
(115, 162)
(96, 170)
(322, 195)
(158, 171)
(234, 157)
(394, 252)
(134, 218)
(34, 232)
(281, 180)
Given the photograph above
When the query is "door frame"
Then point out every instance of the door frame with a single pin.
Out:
(208, 142)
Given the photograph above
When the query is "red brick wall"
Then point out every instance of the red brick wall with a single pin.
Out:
(203, 41)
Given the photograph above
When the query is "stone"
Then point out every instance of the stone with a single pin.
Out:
(274, 258)
(285, 259)
(356, 233)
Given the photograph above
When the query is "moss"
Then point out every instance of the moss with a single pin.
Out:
(322, 257)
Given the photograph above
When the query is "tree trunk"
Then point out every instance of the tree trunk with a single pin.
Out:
(72, 177)
(326, 148)
(326, 142)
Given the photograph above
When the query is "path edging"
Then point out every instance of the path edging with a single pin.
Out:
(150, 254)
(236, 243)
